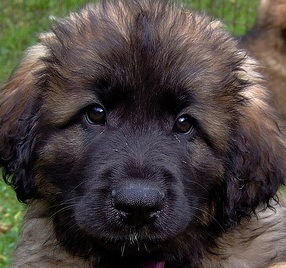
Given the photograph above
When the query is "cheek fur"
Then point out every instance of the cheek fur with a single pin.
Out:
(60, 160)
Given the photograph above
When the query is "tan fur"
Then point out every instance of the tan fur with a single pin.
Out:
(258, 243)
(267, 44)
(38, 245)
(21, 85)
(255, 244)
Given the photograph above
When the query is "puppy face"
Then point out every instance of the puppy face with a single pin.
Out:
(143, 128)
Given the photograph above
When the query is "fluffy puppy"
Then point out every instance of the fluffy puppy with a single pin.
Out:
(141, 136)
(267, 43)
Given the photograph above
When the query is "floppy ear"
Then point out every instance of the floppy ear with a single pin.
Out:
(19, 102)
(257, 157)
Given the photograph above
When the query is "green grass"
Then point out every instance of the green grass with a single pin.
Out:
(11, 213)
(238, 15)
(20, 22)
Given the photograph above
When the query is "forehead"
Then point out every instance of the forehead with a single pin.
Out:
(141, 55)
(128, 42)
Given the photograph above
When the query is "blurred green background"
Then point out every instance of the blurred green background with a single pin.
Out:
(22, 20)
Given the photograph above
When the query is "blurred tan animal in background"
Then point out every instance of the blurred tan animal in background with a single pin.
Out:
(267, 43)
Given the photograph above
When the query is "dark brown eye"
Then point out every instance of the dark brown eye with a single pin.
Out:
(96, 115)
(184, 124)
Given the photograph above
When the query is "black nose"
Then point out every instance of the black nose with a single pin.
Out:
(138, 203)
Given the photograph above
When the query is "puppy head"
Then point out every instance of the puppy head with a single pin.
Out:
(142, 126)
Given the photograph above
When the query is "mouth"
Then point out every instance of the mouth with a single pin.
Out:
(137, 253)
(153, 264)
(144, 254)
(134, 243)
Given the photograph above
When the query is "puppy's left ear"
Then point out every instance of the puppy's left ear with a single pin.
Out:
(19, 104)
(257, 157)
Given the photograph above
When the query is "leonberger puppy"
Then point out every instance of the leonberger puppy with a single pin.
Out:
(140, 135)
(267, 43)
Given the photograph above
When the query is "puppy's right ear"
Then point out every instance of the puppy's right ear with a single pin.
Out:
(19, 105)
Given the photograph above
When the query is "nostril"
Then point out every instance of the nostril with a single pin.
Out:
(138, 202)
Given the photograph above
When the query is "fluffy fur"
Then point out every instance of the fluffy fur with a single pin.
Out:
(267, 43)
(141, 136)
(252, 244)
